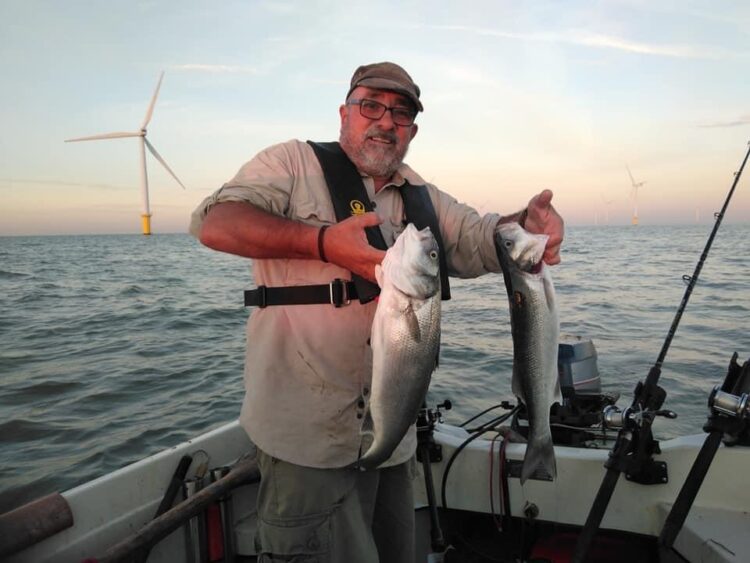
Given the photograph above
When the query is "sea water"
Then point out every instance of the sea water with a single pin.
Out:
(115, 347)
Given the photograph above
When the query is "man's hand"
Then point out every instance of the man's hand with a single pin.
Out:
(245, 230)
(542, 218)
(345, 244)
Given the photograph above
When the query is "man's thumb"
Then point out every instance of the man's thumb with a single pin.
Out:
(369, 219)
(543, 200)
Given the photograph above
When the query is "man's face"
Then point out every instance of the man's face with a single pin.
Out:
(376, 146)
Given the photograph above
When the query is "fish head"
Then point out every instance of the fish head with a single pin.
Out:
(412, 263)
(524, 249)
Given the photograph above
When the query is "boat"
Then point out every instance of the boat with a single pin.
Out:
(469, 502)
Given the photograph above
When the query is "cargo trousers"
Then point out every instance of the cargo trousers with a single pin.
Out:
(308, 515)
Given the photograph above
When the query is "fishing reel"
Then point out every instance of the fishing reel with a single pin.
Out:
(727, 404)
(427, 447)
(631, 418)
(428, 417)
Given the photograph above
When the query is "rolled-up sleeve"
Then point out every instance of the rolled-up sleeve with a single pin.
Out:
(468, 237)
(266, 182)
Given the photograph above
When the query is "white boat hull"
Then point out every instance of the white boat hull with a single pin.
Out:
(116, 505)
(641, 509)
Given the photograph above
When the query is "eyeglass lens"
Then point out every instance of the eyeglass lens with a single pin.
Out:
(375, 110)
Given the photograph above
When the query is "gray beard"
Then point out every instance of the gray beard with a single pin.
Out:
(378, 162)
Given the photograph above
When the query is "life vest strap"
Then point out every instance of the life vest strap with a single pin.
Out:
(337, 293)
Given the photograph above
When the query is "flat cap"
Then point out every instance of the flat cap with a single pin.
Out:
(386, 76)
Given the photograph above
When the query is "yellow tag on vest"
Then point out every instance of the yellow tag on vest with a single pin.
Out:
(357, 207)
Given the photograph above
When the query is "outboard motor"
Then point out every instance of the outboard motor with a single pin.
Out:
(576, 365)
(581, 388)
(576, 421)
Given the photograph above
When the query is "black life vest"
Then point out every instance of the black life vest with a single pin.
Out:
(349, 197)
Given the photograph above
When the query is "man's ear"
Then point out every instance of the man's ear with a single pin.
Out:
(414, 129)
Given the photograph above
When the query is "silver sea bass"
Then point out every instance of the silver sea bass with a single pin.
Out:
(535, 328)
(405, 339)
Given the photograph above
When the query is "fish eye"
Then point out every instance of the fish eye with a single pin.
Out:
(508, 244)
(433, 254)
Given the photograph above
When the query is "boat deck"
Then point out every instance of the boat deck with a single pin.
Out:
(713, 535)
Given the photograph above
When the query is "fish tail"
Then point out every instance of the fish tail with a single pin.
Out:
(374, 456)
(539, 458)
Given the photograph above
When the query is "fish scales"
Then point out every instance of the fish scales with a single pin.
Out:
(405, 340)
(535, 331)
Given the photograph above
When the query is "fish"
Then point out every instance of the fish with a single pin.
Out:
(535, 329)
(405, 340)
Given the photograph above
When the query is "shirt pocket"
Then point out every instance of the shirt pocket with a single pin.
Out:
(311, 207)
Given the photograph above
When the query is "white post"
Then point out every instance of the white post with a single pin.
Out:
(146, 215)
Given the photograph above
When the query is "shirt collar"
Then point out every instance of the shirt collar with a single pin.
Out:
(403, 174)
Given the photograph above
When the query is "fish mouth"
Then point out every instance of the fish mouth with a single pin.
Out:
(531, 259)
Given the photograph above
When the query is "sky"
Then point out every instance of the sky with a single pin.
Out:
(518, 96)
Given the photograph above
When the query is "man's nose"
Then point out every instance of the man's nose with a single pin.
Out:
(386, 121)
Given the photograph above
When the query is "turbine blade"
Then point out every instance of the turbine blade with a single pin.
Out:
(153, 102)
(632, 180)
(161, 160)
(117, 135)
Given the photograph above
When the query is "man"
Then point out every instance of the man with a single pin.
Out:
(308, 366)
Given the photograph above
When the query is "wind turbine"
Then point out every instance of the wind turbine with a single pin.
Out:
(634, 195)
(607, 203)
(141, 134)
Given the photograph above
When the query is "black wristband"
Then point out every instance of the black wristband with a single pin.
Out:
(321, 252)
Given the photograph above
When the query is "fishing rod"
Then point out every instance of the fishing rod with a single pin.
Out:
(728, 421)
(634, 447)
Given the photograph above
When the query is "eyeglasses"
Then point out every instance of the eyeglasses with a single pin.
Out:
(375, 110)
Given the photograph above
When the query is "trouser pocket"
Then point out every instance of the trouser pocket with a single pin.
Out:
(295, 540)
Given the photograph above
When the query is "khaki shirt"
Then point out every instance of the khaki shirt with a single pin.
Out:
(308, 368)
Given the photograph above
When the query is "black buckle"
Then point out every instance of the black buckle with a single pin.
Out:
(262, 297)
(338, 292)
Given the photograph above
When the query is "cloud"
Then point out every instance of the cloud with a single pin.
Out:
(216, 68)
(10, 182)
(609, 42)
(587, 39)
(742, 120)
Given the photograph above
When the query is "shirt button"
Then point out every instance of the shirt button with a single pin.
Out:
(361, 403)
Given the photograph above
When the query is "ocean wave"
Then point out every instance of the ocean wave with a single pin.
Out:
(12, 359)
(119, 365)
(24, 430)
(35, 390)
(131, 290)
(10, 275)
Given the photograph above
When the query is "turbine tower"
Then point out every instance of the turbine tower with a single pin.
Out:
(634, 195)
(607, 203)
(141, 134)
